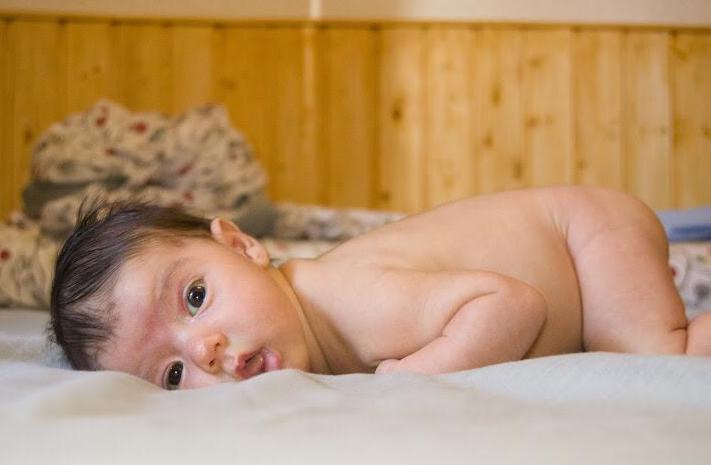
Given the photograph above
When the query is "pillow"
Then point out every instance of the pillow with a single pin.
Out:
(295, 221)
(691, 267)
(26, 265)
(195, 160)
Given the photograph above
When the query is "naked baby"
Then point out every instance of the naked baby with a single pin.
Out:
(185, 302)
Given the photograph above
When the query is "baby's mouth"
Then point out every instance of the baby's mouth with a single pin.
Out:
(257, 362)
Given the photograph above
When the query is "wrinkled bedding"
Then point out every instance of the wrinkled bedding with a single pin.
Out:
(593, 408)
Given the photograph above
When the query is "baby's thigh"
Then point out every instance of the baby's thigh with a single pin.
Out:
(629, 300)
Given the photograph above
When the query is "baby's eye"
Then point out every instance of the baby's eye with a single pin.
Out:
(195, 296)
(173, 376)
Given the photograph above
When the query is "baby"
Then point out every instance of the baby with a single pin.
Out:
(185, 302)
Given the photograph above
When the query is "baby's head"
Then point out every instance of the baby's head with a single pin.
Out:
(176, 299)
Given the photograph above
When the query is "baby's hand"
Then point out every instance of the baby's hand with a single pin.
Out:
(387, 366)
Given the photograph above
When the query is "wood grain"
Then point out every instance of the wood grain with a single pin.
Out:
(193, 65)
(398, 116)
(7, 187)
(547, 106)
(692, 119)
(37, 73)
(450, 162)
(295, 175)
(91, 68)
(144, 55)
(598, 109)
(498, 109)
(242, 70)
(401, 120)
(348, 116)
(647, 116)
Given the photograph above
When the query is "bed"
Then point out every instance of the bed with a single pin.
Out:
(588, 408)
(583, 408)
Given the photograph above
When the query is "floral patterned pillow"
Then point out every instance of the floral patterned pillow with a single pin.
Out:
(196, 160)
(691, 266)
(26, 265)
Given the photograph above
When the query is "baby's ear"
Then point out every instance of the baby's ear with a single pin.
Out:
(228, 234)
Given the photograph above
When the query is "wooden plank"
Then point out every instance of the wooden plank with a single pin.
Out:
(91, 67)
(449, 149)
(260, 77)
(303, 179)
(145, 60)
(691, 67)
(37, 63)
(401, 119)
(241, 68)
(597, 85)
(6, 192)
(647, 117)
(295, 170)
(247, 83)
(497, 109)
(192, 63)
(349, 115)
(548, 107)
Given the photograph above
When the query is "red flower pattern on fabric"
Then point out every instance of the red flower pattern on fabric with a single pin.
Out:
(185, 169)
(139, 127)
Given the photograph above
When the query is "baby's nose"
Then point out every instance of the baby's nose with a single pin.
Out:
(209, 354)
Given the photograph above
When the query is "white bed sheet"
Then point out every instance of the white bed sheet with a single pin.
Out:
(591, 408)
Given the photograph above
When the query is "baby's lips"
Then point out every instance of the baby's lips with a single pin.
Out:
(257, 362)
(249, 365)
(254, 366)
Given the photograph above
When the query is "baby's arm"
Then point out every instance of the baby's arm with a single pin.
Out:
(496, 319)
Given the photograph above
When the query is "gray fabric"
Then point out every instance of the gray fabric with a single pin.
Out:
(39, 193)
(258, 216)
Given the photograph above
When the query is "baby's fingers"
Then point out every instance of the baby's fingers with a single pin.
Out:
(387, 366)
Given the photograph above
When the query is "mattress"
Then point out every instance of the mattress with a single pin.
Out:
(593, 408)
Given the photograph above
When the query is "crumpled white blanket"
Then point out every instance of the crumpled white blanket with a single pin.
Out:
(593, 408)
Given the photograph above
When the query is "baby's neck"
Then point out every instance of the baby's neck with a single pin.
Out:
(328, 350)
(317, 359)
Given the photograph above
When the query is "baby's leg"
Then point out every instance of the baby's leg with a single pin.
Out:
(630, 303)
(699, 335)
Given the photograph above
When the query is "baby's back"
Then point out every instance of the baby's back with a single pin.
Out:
(523, 234)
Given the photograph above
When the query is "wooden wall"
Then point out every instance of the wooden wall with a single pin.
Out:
(391, 115)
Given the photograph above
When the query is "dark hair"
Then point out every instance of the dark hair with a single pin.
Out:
(105, 237)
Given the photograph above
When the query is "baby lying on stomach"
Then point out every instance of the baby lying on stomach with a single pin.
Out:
(185, 302)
